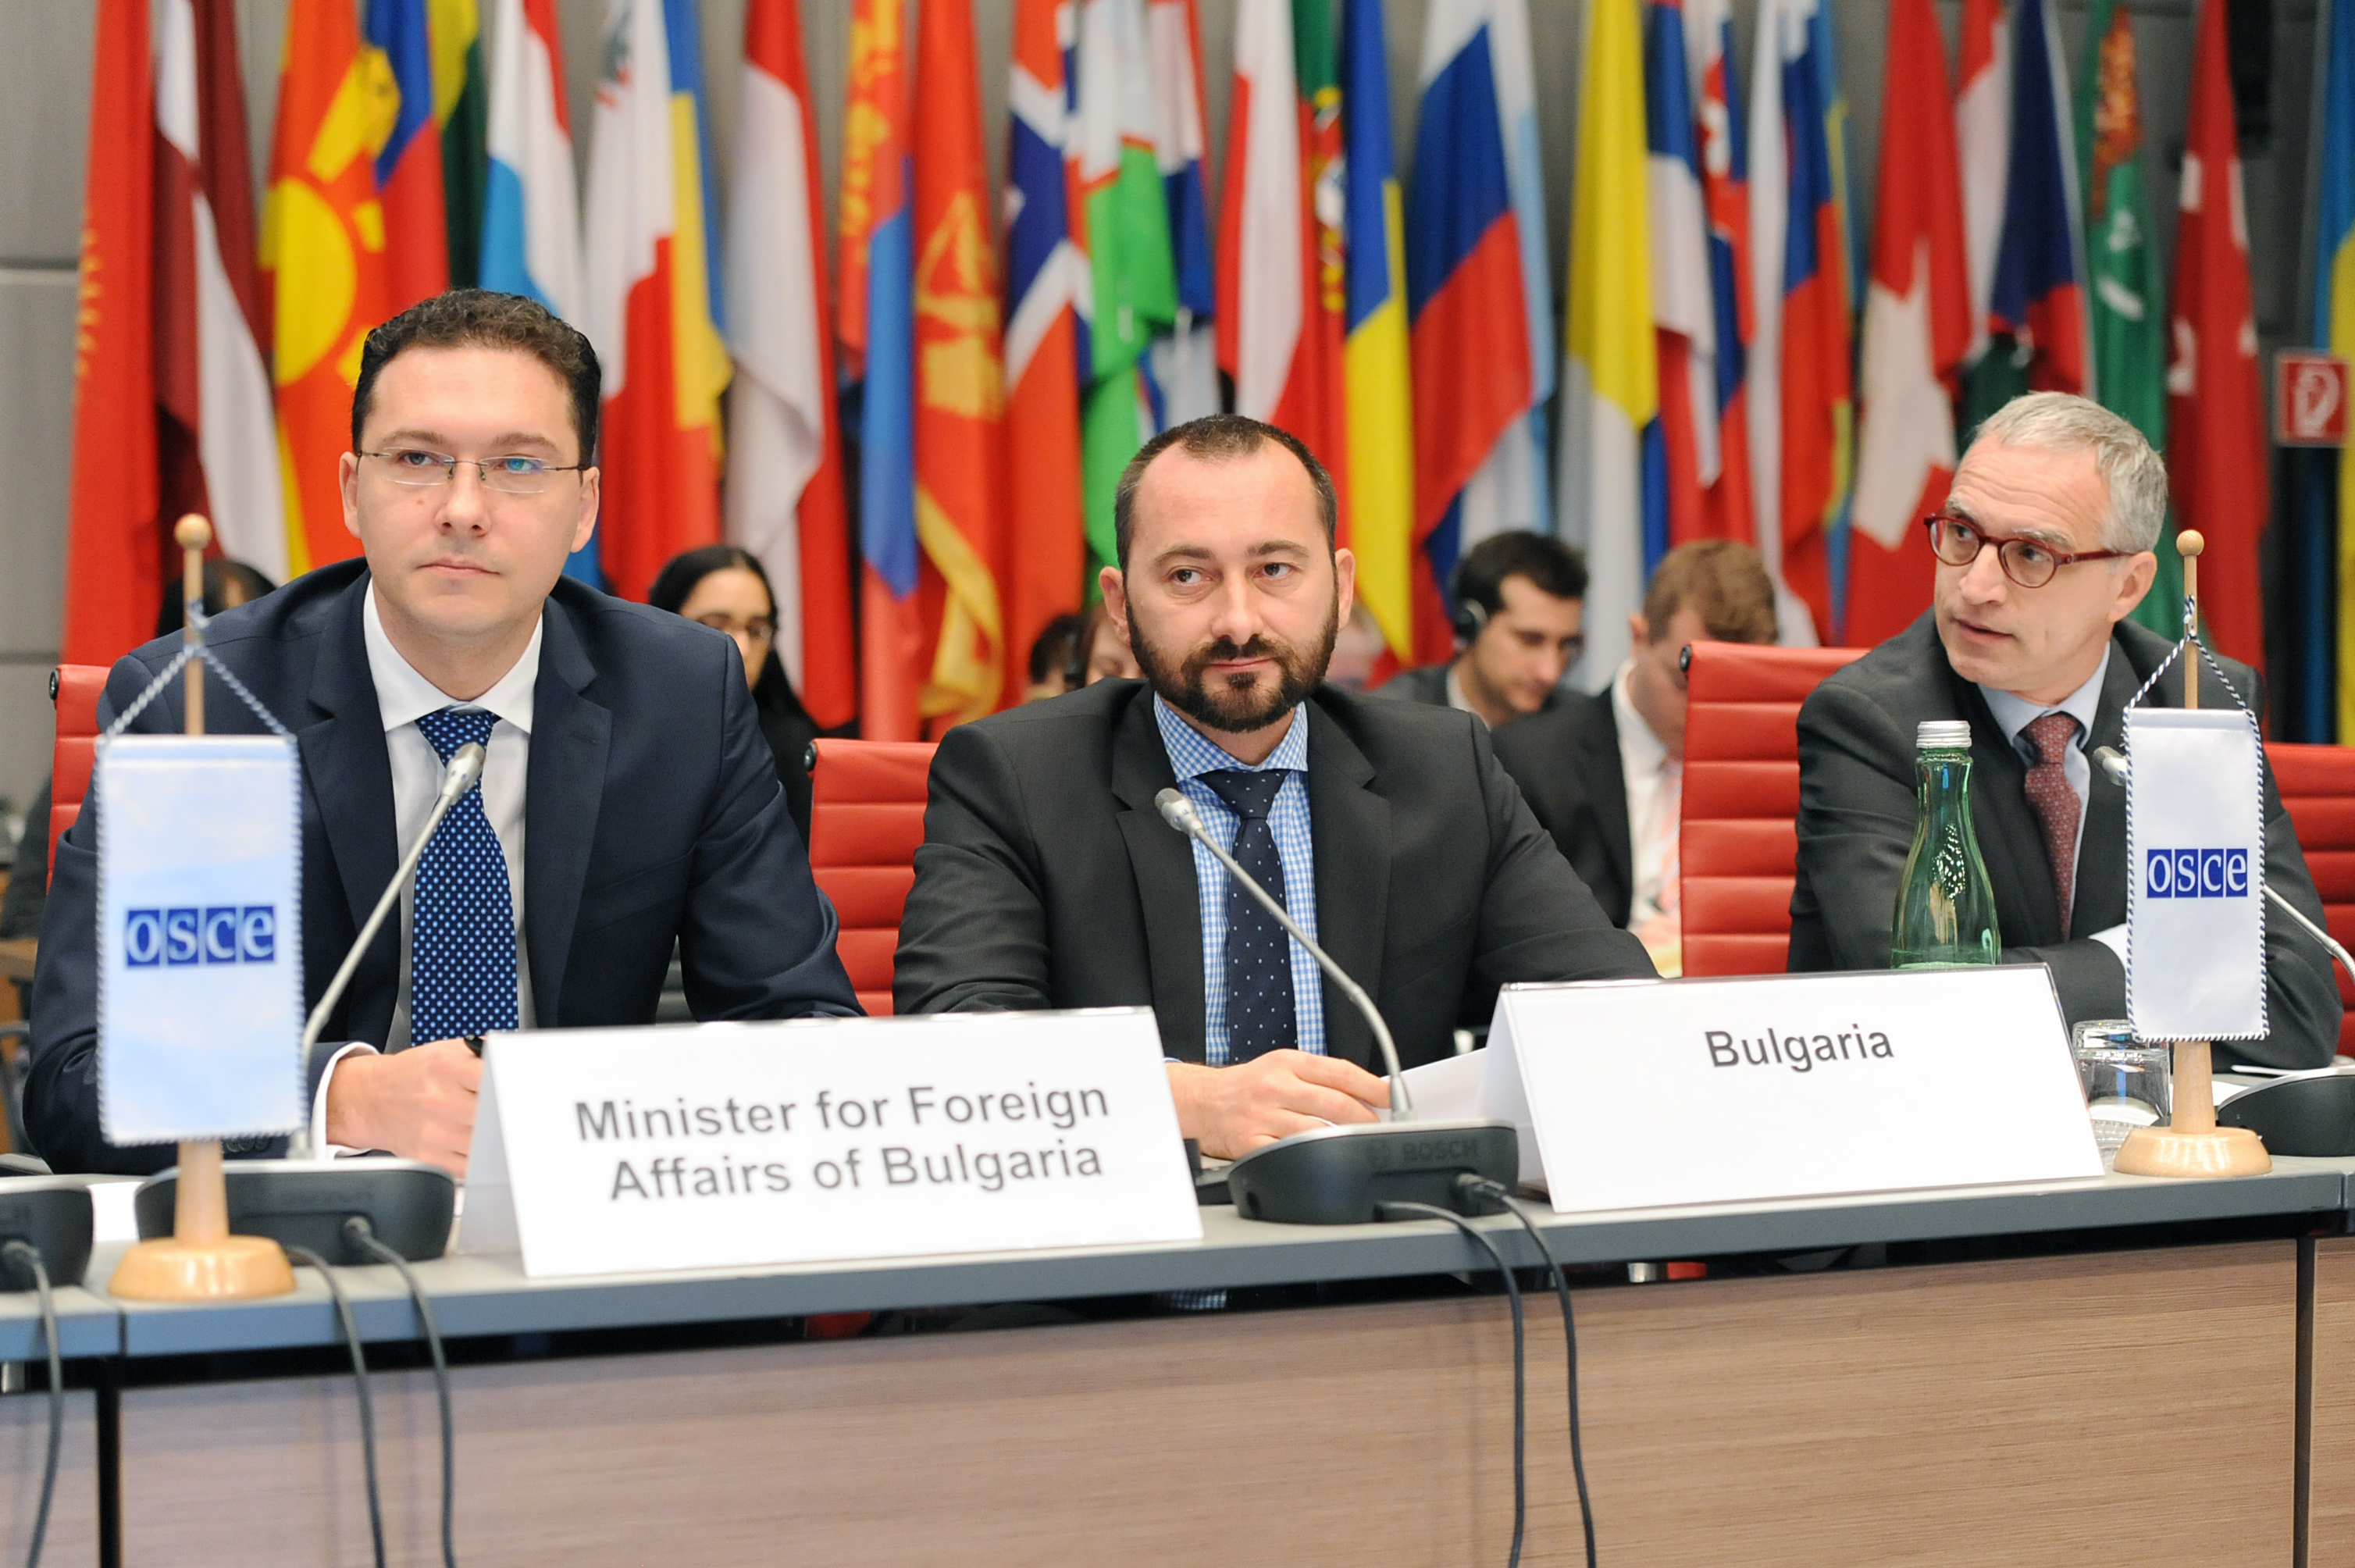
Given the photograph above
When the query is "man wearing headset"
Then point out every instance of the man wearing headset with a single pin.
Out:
(1520, 620)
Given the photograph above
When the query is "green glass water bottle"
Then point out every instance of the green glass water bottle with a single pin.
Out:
(1946, 905)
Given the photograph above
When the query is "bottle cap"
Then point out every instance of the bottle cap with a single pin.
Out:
(1942, 735)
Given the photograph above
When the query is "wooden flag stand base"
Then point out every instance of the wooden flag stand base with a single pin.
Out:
(2194, 1144)
(200, 1261)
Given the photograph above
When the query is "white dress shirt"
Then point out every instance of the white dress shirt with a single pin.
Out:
(402, 697)
(2013, 715)
(1652, 822)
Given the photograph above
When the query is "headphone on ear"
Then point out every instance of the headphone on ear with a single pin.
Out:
(1471, 616)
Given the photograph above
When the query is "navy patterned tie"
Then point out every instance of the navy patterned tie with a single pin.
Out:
(462, 946)
(1259, 951)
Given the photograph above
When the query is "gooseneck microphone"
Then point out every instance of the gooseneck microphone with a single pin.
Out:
(463, 773)
(2119, 770)
(1350, 1175)
(1181, 814)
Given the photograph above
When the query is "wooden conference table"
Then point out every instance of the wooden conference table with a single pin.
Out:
(2113, 1369)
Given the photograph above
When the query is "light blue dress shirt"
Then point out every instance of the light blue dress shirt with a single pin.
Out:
(1192, 755)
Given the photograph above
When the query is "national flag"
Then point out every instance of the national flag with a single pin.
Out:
(2216, 411)
(783, 496)
(1682, 458)
(2334, 305)
(409, 165)
(114, 547)
(531, 227)
(1122, 223)
(960, 372)
(1378, 387)
(1609, 379)
(704, 366)
(1182, 368)
(217, 451)
(1048, 556)
(1983, 145)
(1917, 328)
(323, 265)
(1476, 284)
(1277, 337)
(2036, 303)
(877, 328)
(1726, 507)
(644, 287)
(2129, 337)
(460, 112)
(1800, 409)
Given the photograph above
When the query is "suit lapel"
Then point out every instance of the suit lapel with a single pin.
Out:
(1607, 787)
(350, 778)
(1169, 896)
(564, 787)
(2102, 847)
(1350, 827)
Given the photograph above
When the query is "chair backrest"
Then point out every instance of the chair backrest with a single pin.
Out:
(867, 818)
(1738, 848)
(2317, 785)
(74, 689)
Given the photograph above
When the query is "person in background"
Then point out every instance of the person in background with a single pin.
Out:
(1605, 774)
(1049, 879)
(1052, 654)
(1520, 625)
(2042, 550)
(228, 584)
(1108, 655)
(723, 587)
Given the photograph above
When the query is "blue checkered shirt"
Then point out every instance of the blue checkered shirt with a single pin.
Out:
(1191, 754)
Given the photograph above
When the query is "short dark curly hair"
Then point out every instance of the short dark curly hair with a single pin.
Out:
(480, 318)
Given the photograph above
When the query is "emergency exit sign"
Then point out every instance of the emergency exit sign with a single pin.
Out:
(2309, 399)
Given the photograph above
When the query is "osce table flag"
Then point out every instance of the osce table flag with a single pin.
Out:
(200, 938)
(2196, 855)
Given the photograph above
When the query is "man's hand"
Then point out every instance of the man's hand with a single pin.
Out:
(418, 1104)
(1232, 1110)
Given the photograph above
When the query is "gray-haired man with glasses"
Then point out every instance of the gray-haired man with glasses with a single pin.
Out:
(628, 802)
(2044, 548)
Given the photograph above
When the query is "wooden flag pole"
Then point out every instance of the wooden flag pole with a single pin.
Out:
(200, 1261)
(2194, 1144)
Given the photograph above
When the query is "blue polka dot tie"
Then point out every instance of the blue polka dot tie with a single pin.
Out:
(1259, 951)
(461, 946)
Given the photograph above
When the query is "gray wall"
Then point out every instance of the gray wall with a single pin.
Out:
(44, 112)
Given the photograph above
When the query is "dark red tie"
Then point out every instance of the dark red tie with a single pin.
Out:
(2055, 804)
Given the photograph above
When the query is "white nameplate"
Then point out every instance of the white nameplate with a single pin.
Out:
(719, 1146)
(1640, 1094)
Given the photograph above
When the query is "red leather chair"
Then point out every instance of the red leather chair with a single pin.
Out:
(1739, 851)
(866, 817)
(74, 689)
(2317, 785)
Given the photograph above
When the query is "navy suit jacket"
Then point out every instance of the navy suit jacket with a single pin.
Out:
(652, 812)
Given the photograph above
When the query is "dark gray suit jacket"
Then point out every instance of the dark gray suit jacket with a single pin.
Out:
(1857, 810)
(1049, 880)
(652, 814)
(1567, 762)
(1428, 683)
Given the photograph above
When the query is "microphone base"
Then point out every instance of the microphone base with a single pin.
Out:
(52, 1215)
(408, 1203)
(1339, 1176)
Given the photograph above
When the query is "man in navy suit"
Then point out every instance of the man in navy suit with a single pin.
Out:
(627, 798)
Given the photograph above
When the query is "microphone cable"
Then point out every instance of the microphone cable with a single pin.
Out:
(359, 1379)
(1497, 1192)
(360, 1233)
(29, 1257)
(1513, 1294)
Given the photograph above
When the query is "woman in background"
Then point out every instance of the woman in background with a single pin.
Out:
(722, 587)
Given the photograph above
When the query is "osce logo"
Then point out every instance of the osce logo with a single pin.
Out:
(2196, 874)
(226, 934)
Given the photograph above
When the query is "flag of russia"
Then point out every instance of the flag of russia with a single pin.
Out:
(1468, 329)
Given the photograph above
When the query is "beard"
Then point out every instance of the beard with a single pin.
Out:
(1236, 704)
